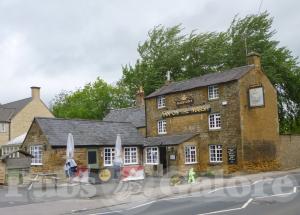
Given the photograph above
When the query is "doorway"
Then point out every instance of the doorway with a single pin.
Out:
(163, 158)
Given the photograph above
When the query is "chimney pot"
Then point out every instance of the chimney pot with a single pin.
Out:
(253, 58)
(35, 92)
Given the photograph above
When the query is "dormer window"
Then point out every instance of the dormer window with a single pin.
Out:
(213, 92)
(161, 102)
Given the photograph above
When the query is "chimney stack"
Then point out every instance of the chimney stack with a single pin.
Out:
(35, 93)
(168, 75)
(253, 58)
(139, 98)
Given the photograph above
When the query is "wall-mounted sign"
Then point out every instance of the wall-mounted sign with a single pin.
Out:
(184, 111)
(184, 100)
(232, 155)
(105, 175)
(172, 157)
(256, 97)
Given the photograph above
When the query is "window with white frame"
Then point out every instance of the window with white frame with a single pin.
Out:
(213, 92)
(214, 121)
(9, 149)
(190, 154)
(162, 126)
(161, 102)
(2, 127)
(215, 153)
(37, 153)
(130, 155)
(109, 156)
(152, 155)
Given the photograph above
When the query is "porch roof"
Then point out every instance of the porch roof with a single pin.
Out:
(169, 139)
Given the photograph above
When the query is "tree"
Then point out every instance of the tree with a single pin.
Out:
(187, 56)
(91, 102)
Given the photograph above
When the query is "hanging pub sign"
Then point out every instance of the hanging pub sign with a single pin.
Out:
(185, 111)
(232, 155)
(256, 96)
(184, 100)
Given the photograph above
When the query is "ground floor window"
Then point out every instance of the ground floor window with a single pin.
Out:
(37, 153)
(130, 155)
(109, 156)
(190, 154)
(152, 155)
(215, 153)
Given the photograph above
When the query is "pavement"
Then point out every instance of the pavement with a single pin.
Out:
(250, 194)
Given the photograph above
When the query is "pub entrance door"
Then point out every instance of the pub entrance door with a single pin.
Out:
(163, 158)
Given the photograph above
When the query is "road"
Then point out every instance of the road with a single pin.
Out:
(276, 196)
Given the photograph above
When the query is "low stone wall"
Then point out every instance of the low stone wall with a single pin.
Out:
(289, 151)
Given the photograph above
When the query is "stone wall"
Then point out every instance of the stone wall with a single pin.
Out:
(20, 124)
(4, 136)
(289, 151)
(259, 126)
(2, 172)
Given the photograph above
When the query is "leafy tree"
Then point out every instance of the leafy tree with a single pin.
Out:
(91, 102)
(187, 56)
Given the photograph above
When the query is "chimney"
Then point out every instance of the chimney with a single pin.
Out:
(139, 97)
(35, 93)
(253, 58)
(168, 75)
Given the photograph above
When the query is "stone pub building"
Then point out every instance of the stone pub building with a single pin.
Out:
(220, 123)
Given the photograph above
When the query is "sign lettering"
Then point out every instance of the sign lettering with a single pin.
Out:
(185, 111)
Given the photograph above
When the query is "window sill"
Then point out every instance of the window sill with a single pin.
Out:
(214, 129)
(215, 163)
(152, 164)
(189, 163)
(213, 99)
(36, 164)
(128, 164)
(161, 133)
(160, 108)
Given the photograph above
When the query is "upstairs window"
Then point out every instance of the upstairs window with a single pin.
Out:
(214, 121)
(2, 128)
(37, 153)
(213, 92)
(161, 102)
(109, 156)
(162, 126)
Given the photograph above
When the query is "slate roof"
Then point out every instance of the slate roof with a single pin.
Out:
(135, 115)
(202, 81)
(89, 133)
(9, 110)
(169, 140)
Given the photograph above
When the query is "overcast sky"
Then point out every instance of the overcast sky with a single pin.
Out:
(64, 44)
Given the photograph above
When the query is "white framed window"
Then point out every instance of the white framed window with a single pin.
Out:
(9, 149)
(152, 155)
(37, 153)
(109, 156)
(130, 155)
(2, 127)
(214, 121)
(161, 102)
(190, 154)
(213, 92)
(162, 126)
(215, 153)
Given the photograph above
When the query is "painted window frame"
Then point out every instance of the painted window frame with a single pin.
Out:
(154, 155)
(3, 127)
(214, 121)
(108, 156)
(190, 157)
(162, 126)
(131, 155)
(215, 153)
(161, 102)
(37, 152)
(213, 92)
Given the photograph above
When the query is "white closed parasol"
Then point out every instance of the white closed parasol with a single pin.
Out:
(118, 151)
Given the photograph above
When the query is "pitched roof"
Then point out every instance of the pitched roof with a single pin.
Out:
(135, 115)
(169, 140)
(205, 80)
(9, 110)
(88, 132)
